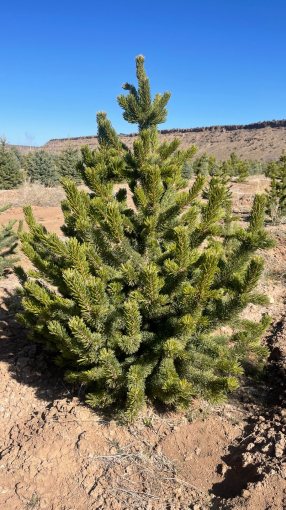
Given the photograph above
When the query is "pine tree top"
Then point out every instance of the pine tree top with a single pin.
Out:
(138, 106)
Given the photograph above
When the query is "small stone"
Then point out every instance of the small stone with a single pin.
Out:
(245, 493)
(279, 452)
(221, 469)
(197, 451)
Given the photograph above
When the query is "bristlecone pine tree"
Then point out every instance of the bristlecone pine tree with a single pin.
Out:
(8, 242)
(133, 299)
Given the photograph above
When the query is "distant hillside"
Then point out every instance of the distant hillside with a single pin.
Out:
(24, 149)
(261, 140)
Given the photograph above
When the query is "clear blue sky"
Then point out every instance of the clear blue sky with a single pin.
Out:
(62, 61)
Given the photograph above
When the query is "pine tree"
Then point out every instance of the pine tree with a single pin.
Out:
(231, 165)
(66, 163)
(216, 169)
(256, 167)
(133, 300)
(243, 171)
(272, 169)
(187, 170)
(10, 174)
(276, 196)
(201, 165)
(227, 168)
(18, 156)
(8, 242)
(40, 167)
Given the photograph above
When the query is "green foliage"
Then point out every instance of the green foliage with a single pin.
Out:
(272, 169)
(109, 158)
(201, 165)
(10, 174)
(187, 170)
(40, 166)
(8, 242)
(138, 106)
(243, 171)
(256, 167)
(134, 299)
(276, 196)
(66, 163)
(18, 156)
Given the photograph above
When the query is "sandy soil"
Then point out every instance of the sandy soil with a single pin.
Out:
(57, 454)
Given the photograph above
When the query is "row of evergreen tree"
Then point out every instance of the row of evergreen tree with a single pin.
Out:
(43, 167)
(38, 166)
(233, 167)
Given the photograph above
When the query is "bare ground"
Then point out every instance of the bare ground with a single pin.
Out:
(57, 454)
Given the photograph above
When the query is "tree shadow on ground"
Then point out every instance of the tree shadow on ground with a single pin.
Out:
(236, 476)
(29, 363)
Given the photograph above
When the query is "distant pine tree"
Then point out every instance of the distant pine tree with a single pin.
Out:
(14, 150)
(272, 169)
(242, 170)
(187, 170)
(201, 165)
(216, 169)
(10, 174)
(66, 163)
(40, 167)
(18, 155)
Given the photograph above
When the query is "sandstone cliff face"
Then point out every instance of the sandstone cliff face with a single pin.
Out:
(261, 140)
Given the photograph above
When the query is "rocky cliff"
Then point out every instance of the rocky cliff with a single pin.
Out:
(260, 140)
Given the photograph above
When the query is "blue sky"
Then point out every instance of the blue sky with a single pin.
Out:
(61, 62)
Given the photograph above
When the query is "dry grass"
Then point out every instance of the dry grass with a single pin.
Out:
(140, 476)
(39, 195)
